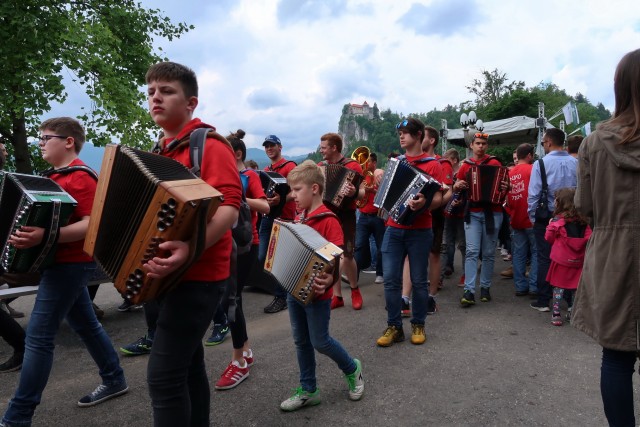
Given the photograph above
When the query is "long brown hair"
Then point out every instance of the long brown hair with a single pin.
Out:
(565, 206)
(626, 87)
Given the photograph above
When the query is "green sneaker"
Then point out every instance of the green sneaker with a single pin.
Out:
(301, 399)
(356, 382)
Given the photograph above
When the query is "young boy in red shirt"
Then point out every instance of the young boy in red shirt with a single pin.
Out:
(310, 323)
(62, 292)
(177, 378)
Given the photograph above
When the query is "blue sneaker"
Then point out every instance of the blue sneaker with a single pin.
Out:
(218, 334)
(139, 347)
(102, 393)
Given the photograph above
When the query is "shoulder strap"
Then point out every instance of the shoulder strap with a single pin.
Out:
(320, 215)
(281, 166)
(416, 162)
(70, 169)
(196, 149)
(345, 161)
(487, 160)
(543, 174)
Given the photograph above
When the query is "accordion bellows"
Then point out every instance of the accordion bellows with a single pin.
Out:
(296, 255)
(273, 183)
(29, 200)
(485, 182)
(401, 183)
(142, 200)
(336, 177)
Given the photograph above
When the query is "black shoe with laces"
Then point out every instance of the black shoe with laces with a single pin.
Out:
(13, 364)
(468, 299)
(432, 306)
(485, 295)
(278, 304)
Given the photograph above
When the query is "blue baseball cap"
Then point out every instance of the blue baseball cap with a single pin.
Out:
(271, 139)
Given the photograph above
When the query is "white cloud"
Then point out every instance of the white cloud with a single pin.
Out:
(287, 67)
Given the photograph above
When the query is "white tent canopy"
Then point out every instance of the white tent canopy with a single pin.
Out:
(512, 131)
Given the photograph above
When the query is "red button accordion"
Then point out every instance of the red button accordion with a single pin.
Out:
(485, 182)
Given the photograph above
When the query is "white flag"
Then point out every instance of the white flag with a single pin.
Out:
(567, 110)
(586, 129)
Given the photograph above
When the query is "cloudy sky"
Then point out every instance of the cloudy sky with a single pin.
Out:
(287, 67)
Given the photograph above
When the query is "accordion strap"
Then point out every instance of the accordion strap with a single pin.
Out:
(69, 169)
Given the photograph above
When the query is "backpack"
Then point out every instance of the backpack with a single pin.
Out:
(242, 231)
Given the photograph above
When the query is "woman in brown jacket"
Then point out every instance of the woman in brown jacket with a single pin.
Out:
(607, 306)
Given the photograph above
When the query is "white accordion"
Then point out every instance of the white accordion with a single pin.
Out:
(296, 255)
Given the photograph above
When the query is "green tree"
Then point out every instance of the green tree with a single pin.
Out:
(106, 45)
(492, 87)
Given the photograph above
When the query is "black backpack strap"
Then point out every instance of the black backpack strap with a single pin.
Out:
(543, 175)
(70, 169)
(196, 149)
(271, 169)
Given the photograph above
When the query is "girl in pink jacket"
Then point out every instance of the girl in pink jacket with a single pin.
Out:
(568, 233)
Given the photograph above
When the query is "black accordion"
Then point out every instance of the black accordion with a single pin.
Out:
(401, 183)
(336, 177)
(142, 200)
(296, 255)
(273, 183)
(485, 182)
(29, 200)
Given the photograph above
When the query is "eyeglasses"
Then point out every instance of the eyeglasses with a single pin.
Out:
(403, 123)
(46, 138)
(481, 135)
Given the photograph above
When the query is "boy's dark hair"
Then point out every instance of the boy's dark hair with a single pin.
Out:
(172, 71)
(392, 155)
(566, 207)
(66, 126)
(412, 125)
(573, 143)
(251, 164)
(432, 133)
(373, 157)
(556, 136)
(237, 143)
(333, 139)
(524, 150)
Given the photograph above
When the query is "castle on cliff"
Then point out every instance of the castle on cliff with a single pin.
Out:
(361, 110)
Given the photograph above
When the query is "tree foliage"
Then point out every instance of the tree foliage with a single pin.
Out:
(106, 46)
(496, 98)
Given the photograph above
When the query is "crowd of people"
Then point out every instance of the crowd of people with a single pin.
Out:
(566, 217)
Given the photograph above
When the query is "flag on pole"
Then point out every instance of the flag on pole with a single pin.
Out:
(586, 129)
(570, 111)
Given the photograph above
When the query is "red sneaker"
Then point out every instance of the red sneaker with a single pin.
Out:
(461, 282)
(232, 376)
(248, 357)
(336, 302)
(356, 299)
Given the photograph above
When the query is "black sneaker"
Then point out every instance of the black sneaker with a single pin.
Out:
(405, 311)
(13, 364)
(540, 307)
(139, 347)
(102, 393)
(485, 295)
(468, 299)
(278, 304)
(127, 305)
(432, 306)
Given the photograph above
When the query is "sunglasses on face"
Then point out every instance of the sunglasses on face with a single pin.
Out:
(481, 135)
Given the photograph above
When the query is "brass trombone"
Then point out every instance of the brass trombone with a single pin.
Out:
(361, 155)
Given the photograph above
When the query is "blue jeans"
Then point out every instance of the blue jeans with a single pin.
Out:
(616, 386)
(310, 328)
(264, 234)
(479, 241)
(398, 243)
(523, 242)
(62, 295)
(543, 249)
(369, 225)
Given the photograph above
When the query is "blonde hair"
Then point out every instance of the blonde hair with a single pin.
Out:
(307, 173)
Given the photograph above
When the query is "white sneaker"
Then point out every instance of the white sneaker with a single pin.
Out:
(356, 382)
(379, 279)
(300, 399)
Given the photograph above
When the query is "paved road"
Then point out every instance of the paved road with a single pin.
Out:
(498, 363)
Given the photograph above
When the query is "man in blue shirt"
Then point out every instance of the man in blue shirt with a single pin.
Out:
(561, 171)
